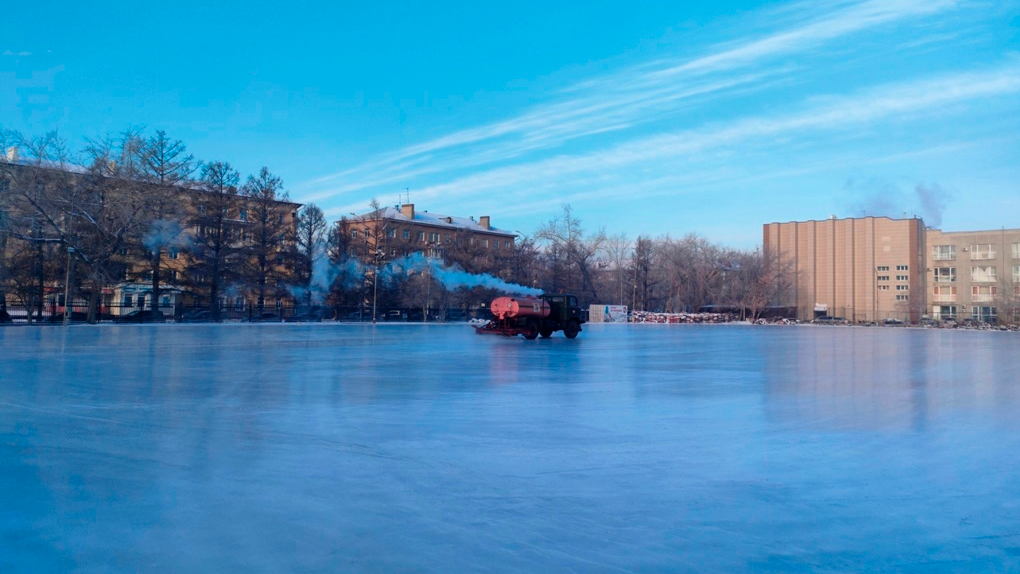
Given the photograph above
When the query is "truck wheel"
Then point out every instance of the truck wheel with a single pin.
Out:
(571, 329)
(531, 330)
(546, 332)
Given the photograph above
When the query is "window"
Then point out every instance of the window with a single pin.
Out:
(986, 314)
(883, 287)
(943, 252)
(391, 233)
(1016, 274)
(903, 278)
(883, 268)
(945, 274)
(128, 302)
(174, 254)
(903, 268)
(173, 275)
(243, 215)
(902, 297)
(485, 243)
(407, 234)
(506, 244)
(982, 251)
(945, 293)
(1016, 251)
(239, 302)
(943, 312)
(421, 236)
(980, 293)
(903, 287)
(201, 209)
(883, 277)
(983, 274)
(434, 237)
(354, 234)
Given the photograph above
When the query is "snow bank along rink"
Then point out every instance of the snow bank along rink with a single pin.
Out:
(672, 318)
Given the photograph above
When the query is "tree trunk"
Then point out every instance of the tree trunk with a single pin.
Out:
(155, 279)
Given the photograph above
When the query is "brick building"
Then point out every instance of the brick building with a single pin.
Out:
(391, 232)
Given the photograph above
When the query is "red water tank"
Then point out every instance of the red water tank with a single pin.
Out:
(513, 307)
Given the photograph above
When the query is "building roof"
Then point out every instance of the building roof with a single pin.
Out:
(433, 219)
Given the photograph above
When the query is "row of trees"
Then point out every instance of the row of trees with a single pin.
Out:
(663, 273)
(127, 208)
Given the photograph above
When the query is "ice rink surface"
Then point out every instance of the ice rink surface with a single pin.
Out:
(427, 448)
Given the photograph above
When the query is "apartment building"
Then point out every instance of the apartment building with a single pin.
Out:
(390, 232)
(876, 268)
(974, 274)
(65, 228)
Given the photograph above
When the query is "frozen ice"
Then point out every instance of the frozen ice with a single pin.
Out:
(427, 448)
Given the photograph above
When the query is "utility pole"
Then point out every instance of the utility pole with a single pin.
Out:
(70, 265)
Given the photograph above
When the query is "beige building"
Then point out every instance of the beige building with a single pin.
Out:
(974, 274)
(876, 268)
(863, 269)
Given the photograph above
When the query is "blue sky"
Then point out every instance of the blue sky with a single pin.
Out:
(648, 118)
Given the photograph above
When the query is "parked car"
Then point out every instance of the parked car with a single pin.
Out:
(395, 315)
(306, 315)
(456, 315)
(891, 322)
(143, 316)
(58, 318)
(828, 320)
(196, 316)
(264, 317)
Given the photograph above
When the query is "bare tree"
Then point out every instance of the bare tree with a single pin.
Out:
(268, 230)
(311, 245)
(617, 250)
(166, 164)
(568, 244)
(114, 211)
(45, 197)
(214, 249)
(643, 279)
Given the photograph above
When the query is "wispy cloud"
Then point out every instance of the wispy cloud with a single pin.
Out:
(12, 53)
(888, 104)
(625, 100)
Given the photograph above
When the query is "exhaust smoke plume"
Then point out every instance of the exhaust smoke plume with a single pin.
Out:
(352, 272)
(165, 233)
(453, 276)
(875, 197)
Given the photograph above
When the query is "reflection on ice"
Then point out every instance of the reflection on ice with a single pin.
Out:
(269, 448)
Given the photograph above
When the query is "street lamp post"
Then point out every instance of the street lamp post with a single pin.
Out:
(375, 283)
(67, 285)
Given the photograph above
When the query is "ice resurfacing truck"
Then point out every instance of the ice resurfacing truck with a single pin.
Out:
(534, 316)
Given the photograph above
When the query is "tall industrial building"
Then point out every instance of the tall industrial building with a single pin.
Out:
(876, 268)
